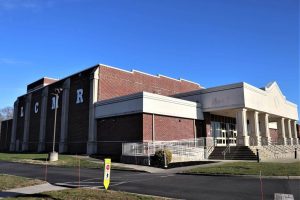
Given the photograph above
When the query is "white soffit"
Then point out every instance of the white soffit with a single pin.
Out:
(145, 102)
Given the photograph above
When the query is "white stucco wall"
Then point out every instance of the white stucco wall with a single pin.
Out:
(217, 98)
(271, 100)
(243, 95)
(145, 102)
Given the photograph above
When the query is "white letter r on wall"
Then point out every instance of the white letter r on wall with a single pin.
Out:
(79, 98)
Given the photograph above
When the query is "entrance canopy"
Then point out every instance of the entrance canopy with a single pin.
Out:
(145, 102)
(243, 95)
(253, 109)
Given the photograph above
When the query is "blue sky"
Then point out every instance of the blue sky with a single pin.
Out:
(211, 42)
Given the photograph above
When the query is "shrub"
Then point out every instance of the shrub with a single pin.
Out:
(158, 158)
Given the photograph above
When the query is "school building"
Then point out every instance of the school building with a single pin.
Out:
(100, 108)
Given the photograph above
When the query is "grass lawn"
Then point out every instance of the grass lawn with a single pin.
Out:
(86, 194)
(251, 168)
(9, 182)
(63, 160)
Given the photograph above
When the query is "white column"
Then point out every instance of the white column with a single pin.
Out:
(295, 134)
(41, 146)
(255, 138)
(242, 133)
(12, 146)
(288, 132)
(26, 123)
(265, 130)
(92, 139)
(64, 117)
(281, 131)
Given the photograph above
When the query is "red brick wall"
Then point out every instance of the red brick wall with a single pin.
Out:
(78, 121)
(50, 118)
(147, 127)
(114, 83)
(206, 125)
(201, 128)
(34, 122)
(20, 122)
(111, 132)
(173, 128)
(5, 135)
(78, 114)
(273, 134)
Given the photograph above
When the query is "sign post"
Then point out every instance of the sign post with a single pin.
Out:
(107, 166)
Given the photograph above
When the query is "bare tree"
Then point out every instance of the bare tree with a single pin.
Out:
(6, 113)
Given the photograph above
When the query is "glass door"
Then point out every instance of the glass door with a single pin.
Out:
(224, 133)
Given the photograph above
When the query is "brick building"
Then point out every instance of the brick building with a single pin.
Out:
(102, 107)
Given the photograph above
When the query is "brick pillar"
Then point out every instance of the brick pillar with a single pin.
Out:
(41, 146)
(64, 117)
(12, 146)
(153, 128)
(92, 138)
(26, 123)
(207, 128)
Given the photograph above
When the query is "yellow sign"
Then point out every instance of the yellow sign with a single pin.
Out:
(107, 166)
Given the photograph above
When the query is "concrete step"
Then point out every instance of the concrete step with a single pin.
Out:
(236, 153)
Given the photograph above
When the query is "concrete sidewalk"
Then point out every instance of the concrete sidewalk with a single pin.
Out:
(156, 170)
(30, 190)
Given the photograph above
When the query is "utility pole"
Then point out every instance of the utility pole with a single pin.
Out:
(53, 156)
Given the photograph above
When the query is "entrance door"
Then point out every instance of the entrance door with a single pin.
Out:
(224, 134)
(231, 134)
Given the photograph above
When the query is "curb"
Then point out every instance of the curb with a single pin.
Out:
(140, 194)
(130, 170)
(243, 176)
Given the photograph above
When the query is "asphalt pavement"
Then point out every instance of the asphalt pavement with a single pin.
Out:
(166, 185)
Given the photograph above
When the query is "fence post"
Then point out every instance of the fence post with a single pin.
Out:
(46, 169)
(149, 162)
(135, 154)
(296, 153)
(257, 155)
(165, 157)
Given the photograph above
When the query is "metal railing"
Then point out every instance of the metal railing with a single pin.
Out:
(227, 149)
(187, 148)
(209, 150)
